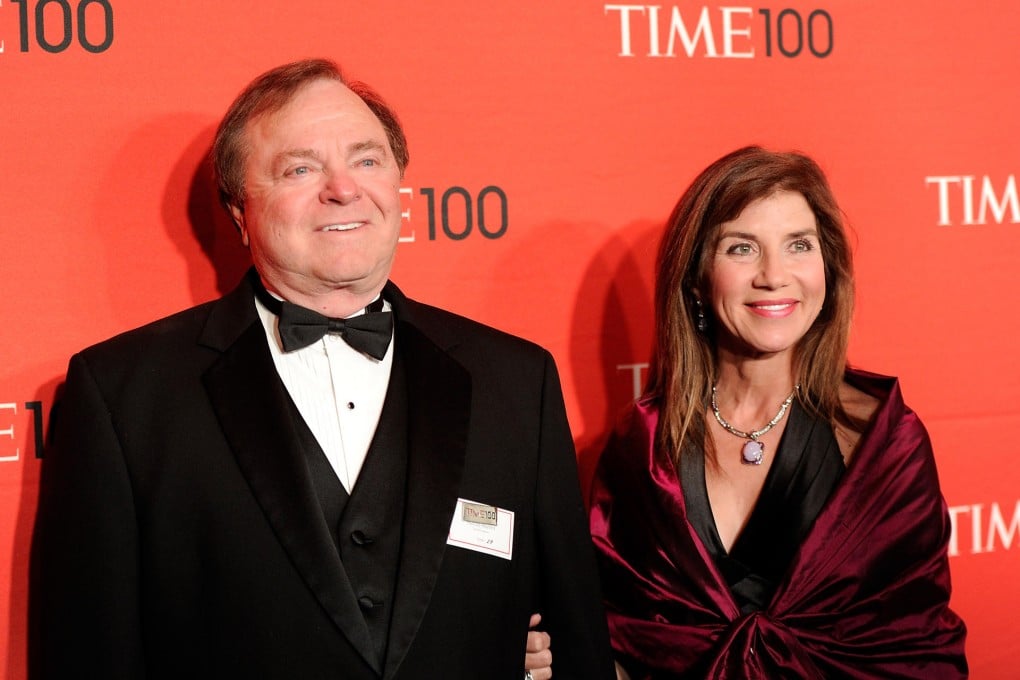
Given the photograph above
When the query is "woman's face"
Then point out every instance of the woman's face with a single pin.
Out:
(766, 277)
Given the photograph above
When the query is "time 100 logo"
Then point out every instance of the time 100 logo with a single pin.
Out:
(455, 213)
(55, 25)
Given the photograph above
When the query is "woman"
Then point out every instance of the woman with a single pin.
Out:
(764, 511)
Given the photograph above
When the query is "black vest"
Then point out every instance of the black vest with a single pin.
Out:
(367, 525)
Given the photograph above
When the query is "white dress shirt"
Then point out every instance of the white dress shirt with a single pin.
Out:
(337, 390)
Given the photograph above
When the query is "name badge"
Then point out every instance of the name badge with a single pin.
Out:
(483, 528)
(480, 514)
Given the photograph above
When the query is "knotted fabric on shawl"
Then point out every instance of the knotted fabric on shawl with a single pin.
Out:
(866, 595)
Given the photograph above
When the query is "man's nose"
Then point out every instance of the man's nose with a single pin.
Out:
(339, 187)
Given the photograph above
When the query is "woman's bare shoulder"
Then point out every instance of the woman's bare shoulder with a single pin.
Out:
(858, 404)
(861, 407)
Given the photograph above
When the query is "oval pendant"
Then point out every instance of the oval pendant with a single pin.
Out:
(753, 452)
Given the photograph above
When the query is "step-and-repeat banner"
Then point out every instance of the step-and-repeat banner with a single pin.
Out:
(549, 142)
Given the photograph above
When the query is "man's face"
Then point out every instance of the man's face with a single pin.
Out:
(322, 195)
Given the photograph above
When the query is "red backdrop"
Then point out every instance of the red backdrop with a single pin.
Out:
(549, 141)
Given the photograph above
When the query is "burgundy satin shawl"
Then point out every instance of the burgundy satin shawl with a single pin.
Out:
(866, 595)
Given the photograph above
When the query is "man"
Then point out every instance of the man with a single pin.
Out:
(230, 494)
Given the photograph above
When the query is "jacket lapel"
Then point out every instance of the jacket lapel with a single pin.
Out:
(251, 404)
(439, 405)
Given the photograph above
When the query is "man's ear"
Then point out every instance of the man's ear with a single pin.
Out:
(237, 214)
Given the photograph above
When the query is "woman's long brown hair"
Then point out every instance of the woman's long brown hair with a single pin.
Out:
(683, 367)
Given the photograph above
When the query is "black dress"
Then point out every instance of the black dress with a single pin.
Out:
(806, 469)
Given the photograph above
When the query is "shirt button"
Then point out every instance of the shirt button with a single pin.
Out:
(350, 405)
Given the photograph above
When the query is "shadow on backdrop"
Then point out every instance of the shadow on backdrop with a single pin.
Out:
(220, 260)
(611, 335)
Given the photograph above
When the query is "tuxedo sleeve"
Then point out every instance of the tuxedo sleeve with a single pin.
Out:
(84, 598)
(572, 610)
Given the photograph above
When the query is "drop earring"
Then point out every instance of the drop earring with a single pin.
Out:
(702, 322)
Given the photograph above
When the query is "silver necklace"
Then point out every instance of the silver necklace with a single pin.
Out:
(753, 451)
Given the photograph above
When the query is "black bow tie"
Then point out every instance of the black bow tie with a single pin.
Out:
(299, 327)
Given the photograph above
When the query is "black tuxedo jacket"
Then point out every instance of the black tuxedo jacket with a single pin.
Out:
(179, 536)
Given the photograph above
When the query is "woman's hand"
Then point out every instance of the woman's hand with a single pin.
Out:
(538, 652)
